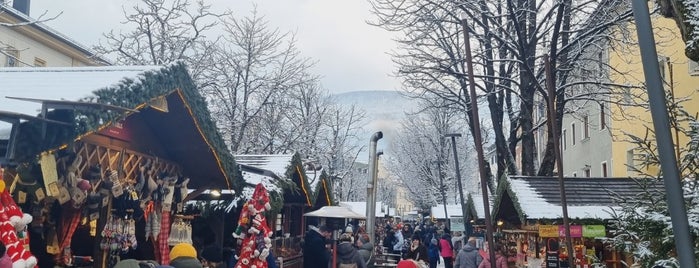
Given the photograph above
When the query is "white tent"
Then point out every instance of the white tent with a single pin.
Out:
(335, 212)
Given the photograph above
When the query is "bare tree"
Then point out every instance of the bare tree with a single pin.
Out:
(163, 32)
(420, 157)
(508, 39)
(9, 50)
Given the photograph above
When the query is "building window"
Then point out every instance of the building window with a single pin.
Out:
(11, 57)
(572, 134)
(662, 62)
(575, 174)
(586, 127)
(604, 169)
(602, 117)
(564, 139)
(587, 172)
(39, 62)
(693, 67)
(629, 160)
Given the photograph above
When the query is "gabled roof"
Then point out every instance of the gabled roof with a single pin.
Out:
(17, 17)
(185, 133)
(323, 191)
(587, 198)
(60, 83)
(276, 172)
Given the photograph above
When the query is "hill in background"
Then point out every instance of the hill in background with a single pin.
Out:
(384, 112)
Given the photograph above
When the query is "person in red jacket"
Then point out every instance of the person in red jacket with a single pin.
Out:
(500, 259)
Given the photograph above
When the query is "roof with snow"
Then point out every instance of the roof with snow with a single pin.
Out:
(275, 171)
(521, 198)
(455, 210)
(60, 83)
(182, 131)
(360, 207)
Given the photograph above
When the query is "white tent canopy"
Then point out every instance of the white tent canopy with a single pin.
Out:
(335, 212)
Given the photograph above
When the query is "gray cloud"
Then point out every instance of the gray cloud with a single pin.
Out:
(350, 54)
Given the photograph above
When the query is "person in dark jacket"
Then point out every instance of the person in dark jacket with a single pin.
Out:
(468, 256)
(366, 249)
(315, 253)
(433, 253)
(346, 253)
(417, 251)
(184, 255)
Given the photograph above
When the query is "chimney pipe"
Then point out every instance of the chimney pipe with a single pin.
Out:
(21, 6)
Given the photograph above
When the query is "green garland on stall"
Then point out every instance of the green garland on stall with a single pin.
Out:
(505, 187)
(322, 188)
(471, 208)
(132, 93)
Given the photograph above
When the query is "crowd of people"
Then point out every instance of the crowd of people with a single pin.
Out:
(423, 245)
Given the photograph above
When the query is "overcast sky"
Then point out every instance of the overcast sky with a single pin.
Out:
(350, 54)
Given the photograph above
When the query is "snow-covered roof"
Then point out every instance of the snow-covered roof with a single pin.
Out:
(360, 207)
(588, 198)
(455, 210)
(452, 211)
(59, 83)
(49, 31)
(277, 163)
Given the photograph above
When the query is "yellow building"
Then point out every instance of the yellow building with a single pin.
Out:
(33, 44)
(594, 139)
(681, 80)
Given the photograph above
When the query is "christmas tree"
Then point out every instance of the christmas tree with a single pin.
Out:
(254, 232)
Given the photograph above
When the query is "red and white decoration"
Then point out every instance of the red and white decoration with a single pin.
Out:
(13, 230)
(253, 229)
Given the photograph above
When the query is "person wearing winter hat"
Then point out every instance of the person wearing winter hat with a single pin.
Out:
(347, 254)
(183, 255)
(408, 264)
(212, 257)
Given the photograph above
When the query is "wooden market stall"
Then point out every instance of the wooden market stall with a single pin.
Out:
(285, 178)
(528, 210)
(323, 192)
(131, 169)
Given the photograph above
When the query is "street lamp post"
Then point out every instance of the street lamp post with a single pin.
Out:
(442, 191)
(371, 185)
(458, 177)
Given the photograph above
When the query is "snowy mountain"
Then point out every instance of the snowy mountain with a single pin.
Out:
(384, 112)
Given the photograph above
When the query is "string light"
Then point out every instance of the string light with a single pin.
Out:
(327, 195)
(196, 123)
(303, 186)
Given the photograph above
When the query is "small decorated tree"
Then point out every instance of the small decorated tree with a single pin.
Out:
(254, 232)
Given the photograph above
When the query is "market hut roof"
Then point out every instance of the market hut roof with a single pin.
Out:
(521, 198)
(186, 132)
(279, 173)
(323, 191)
(474, 205)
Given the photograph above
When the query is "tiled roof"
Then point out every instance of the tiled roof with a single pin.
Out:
(539, 197)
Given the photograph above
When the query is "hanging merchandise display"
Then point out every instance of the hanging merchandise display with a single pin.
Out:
(118, 236)
(180, 231)
(13, 224)
(253, 230)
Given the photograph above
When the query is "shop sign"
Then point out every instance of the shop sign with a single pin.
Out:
(575, 231)
(456, 224)
(594, 231)
(548, 230)
(117, 130)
